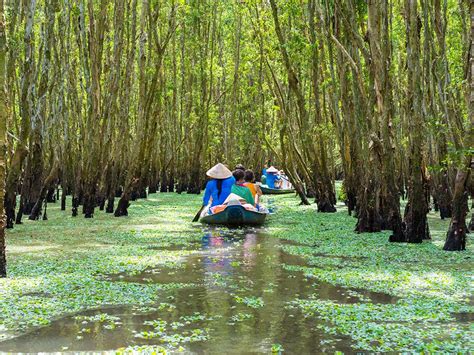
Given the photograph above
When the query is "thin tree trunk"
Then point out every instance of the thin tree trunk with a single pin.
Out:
(3, 142)
(26, 111)
(456, 236)
(324, 191)
(49, 182)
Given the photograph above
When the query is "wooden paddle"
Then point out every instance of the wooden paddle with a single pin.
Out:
(196, 217)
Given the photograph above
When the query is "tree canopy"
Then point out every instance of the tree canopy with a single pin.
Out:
(114, 99)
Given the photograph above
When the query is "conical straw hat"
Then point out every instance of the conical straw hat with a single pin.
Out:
(272, 169)
(219, 171)
(233, 197)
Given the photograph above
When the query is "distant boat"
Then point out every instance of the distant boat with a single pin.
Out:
(235, 215)
(269, 191)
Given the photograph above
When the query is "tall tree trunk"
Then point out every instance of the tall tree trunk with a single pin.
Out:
(94, 126)
(33, 176)
(3, 142)
(456, 236)
(325, 196)
(138, 173)
(379, 41)
(34, 171)
(26, 111)
(13, 176)
(416, 224)
(362, 127)
(49, 182)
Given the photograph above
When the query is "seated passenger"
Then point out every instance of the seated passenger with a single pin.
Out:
(250, 183)
(218, 188)
(240, 189)
(285, 182)
(266, 166)
(239, 167)
(263, 179)
(272, 178)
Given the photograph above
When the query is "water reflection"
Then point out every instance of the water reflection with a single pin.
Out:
(238, 299)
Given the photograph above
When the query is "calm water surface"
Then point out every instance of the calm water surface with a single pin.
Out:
(237, 304)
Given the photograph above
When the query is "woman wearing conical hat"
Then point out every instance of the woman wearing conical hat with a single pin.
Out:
(219, 186)
(272, 177)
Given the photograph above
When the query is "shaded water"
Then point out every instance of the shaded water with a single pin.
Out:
(235, 304)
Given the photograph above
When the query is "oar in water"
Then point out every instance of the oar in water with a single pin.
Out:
(196, 217)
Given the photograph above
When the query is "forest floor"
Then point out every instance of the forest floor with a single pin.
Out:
(304, 282)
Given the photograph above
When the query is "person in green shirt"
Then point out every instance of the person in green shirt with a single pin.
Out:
(240, 189)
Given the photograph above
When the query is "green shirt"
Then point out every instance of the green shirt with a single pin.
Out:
(243, 192)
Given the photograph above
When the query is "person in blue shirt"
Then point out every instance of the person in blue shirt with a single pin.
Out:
(263, 179)
(219, 186)
(272, 176)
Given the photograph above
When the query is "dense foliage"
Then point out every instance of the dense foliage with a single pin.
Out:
(104, 102)
(112, 99)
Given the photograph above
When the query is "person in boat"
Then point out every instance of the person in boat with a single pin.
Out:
(263, 179)
(285, 182)
(273, 178)
(239, 187)
(249, 178)
(219, 187)
(240, 167)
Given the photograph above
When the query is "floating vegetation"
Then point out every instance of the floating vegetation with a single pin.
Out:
(240, 317)
(108, 321)
(163, 331)
(253, 302)
(330, 284)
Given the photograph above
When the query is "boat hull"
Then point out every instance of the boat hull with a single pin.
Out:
(235, 216)
(269, 191)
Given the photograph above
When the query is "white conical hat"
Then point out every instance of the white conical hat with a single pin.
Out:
(272, 169)
(233, 199)
(219, 171)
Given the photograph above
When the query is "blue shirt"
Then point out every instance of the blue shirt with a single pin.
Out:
(264, 171)
(271, 178)
(212, 191)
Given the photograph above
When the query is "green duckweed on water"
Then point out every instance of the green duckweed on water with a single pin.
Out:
(54, 265)
(431, 285)
(400, 297)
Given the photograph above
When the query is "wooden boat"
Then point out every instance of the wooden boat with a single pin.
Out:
(269, 191)
(235, 215)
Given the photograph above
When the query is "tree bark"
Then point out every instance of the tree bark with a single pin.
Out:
(379, 41)
(49, 182)
(456, 236)
(416, 224)
(325, 197)
(3, 142)
(26, 111)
